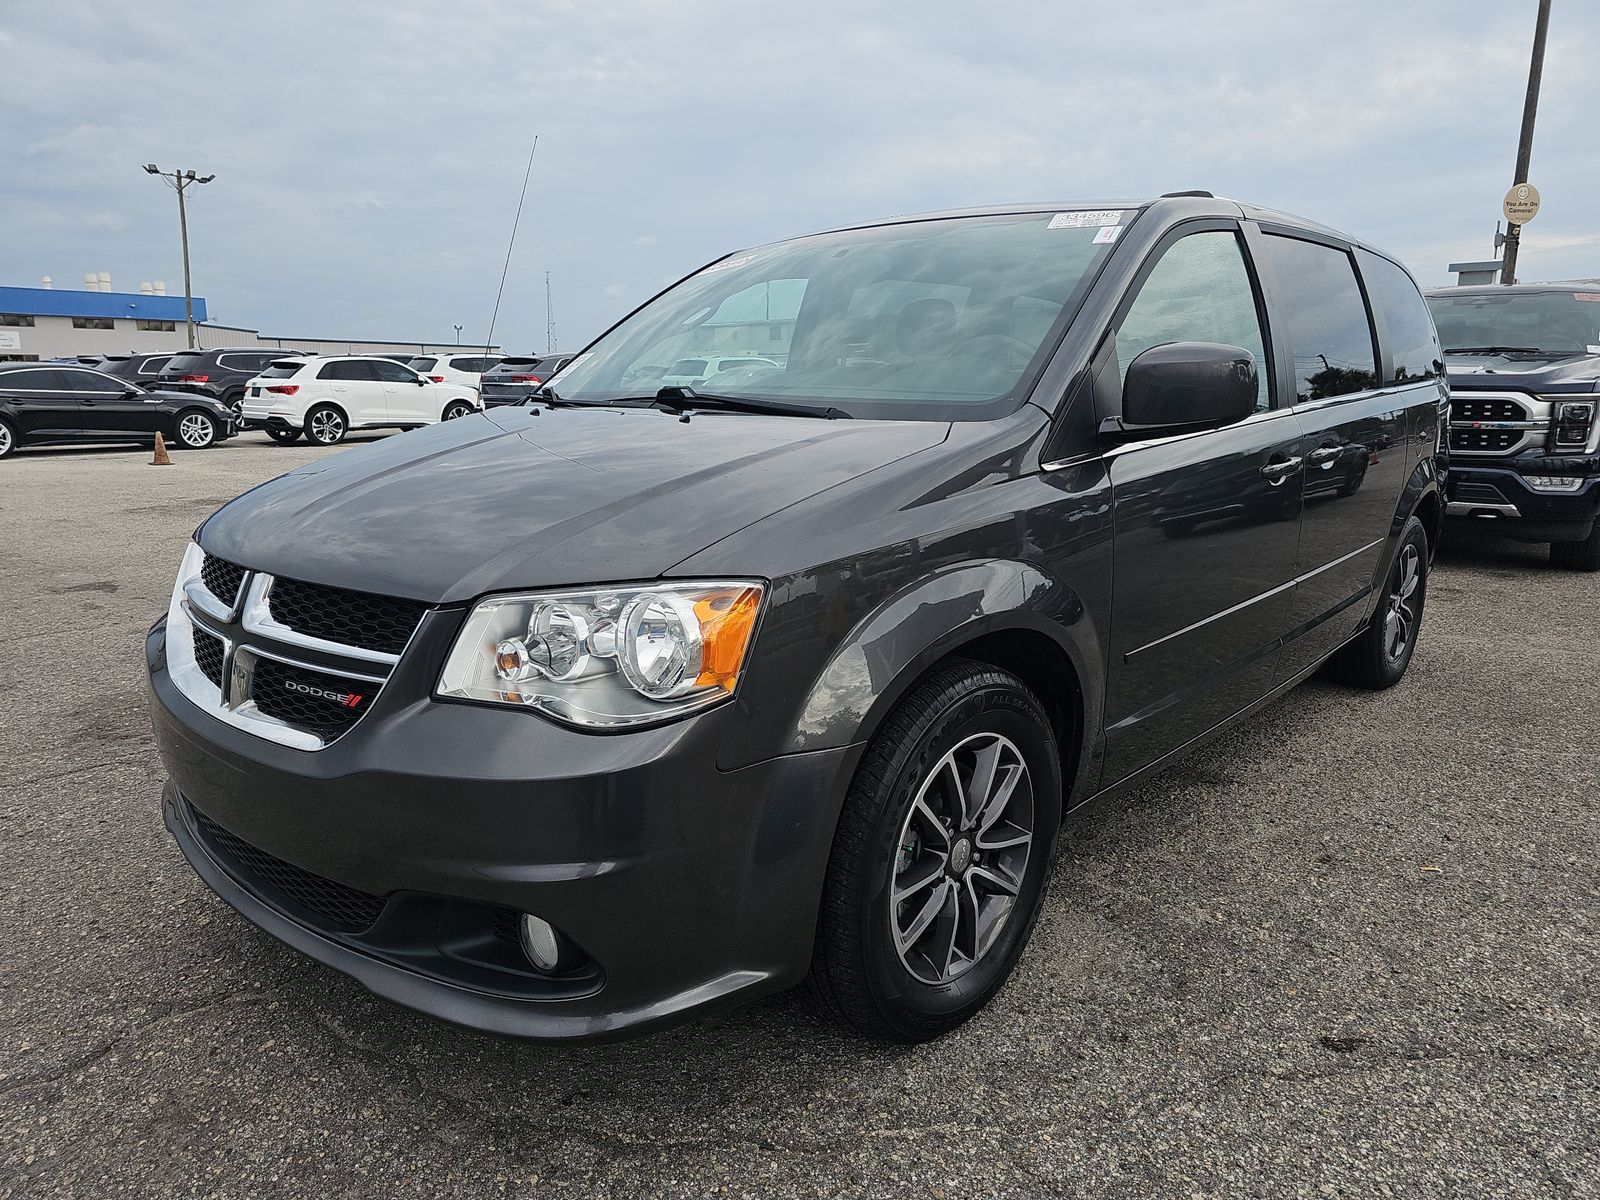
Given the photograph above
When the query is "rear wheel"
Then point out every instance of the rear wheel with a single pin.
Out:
(457, 409)
(196, 430)
(325, 425)
(939, 863)
(1378, 658)
(8, 440)
(1578, 556)
(282, 434)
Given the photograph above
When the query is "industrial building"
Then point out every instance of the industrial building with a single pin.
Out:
(41, 323)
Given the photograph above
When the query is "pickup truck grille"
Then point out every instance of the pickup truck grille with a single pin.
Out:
(1484, 441)
(1464, 406)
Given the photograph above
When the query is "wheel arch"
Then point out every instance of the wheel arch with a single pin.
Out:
(1005, 613)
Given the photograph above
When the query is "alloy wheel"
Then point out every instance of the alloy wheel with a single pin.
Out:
(962, 854)
(456, 411)
(327, 427)
(1401, 621)
(5, 439)
(196, 431)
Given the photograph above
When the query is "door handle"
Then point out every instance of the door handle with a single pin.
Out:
(1276, 472)
(1323, 456)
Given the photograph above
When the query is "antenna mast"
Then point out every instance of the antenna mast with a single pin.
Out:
(488, 341)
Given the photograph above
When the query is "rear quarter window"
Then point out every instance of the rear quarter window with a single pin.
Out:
(1412, 341)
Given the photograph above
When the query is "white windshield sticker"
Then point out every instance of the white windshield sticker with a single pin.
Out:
(1080, 220)
(1107, 235)
(728, 264)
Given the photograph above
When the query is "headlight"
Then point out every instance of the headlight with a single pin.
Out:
(607, 657)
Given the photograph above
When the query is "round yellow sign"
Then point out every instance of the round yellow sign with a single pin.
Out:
(1521, 204)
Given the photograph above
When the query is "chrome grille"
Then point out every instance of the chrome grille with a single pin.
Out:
(295, 663)
(383, 623)
(1464, 406)
(222, 578)
(209, 653)
(1484, 441)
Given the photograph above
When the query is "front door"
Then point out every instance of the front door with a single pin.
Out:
(407, 401)
(108, 408)
(1206, 524)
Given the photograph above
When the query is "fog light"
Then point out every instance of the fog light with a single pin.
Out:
(1553, 483)
(540, 942)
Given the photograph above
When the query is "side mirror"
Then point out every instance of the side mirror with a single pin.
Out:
(421, 381)
(1188, 385)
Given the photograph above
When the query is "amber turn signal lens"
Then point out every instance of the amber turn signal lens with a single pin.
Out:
(727, 619)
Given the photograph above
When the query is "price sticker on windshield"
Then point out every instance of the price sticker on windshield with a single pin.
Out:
(728, 264)
(1595, 296)
(1086, 219)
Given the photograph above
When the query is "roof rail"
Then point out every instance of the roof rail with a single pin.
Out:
(1196, 192)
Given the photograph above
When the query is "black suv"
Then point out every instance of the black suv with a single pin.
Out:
(143, 370)
(220, 373)
(1525, 414)
(571, 719)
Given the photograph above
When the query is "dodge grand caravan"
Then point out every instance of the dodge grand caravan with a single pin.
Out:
(572, 719)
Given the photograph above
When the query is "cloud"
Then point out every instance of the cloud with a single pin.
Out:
(368, 180)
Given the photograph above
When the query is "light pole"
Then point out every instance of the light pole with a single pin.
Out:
(1530, 109)
(178, 180)
(458, 335)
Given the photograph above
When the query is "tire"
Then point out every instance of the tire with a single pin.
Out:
(872, 966)
(326, 425)
(235, 401)
(195, 430)
(1379, 656)
(8, 440)
(457, 409)
(283, 435)
(1578, 556)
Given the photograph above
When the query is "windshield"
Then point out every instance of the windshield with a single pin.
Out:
(1551, 322)
(929, 320)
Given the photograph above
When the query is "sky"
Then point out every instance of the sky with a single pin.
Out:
(369, 155)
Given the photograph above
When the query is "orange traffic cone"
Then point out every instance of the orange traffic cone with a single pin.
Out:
(161, 459)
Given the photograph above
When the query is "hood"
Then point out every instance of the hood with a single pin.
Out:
(525, 498)
(1524, 372)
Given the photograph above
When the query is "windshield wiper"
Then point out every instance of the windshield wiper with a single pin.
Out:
(680, 396)
(1498, 350)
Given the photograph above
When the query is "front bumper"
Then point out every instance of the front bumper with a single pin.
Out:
(1499, 500)
(686, 887)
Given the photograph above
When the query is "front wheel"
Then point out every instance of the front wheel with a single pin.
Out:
(196, 431)
(457, 409)
(1578, 556)
(1379, 656)
(8, 440)
(325, 425)
(939, 863)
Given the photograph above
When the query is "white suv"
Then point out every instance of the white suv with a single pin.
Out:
(465, 369)
(325, 397)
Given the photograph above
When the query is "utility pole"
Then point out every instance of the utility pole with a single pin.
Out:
(458, 335)
(178, 180)
(1530, 109)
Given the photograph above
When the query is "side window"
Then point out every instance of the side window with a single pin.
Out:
(28, 381)
(91, 381)
(1200, 291)
(389, 371)
(1407, 324)
(152, 366)
(345, 369)
(1329, 332)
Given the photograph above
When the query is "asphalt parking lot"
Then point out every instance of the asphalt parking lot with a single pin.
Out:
(1349, 951)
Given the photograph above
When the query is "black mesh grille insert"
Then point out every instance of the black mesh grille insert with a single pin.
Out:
(1485, 440)
(1466, 407)
(222, 578)
(382, 623)
(325, 705)
(335, 906)
(208, 655)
